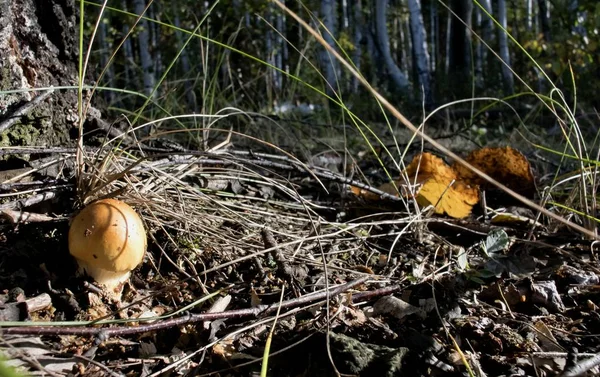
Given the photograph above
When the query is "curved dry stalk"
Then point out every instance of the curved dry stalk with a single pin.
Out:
(418, 131)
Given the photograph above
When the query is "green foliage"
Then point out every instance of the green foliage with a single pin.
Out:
(496, 242)
(7, 371)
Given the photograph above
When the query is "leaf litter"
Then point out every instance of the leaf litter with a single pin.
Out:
(389, 291)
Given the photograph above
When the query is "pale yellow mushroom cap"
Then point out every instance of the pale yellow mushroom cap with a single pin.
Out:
(108, 240)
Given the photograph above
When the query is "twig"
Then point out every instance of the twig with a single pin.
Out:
(582, 367)
(289, 273)
(99, 365)
(24, 109)
(17, 217)
(106, 333)
(23, 203)
(40, 150)
(24, 185)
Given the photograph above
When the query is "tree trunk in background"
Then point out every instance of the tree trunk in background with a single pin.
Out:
(280, 58)
(485, 24)
(507, 77)
(190, 96)
(154, 28)
(274, 50)
(404, 48)
(146, 62)
(383, 41)
(529, 11)
(358, 23)
(127, 51)
(544, 21)
(434, 25)
(377, 73)
(459, 78)
(105, 52)
(38, 48)
(421, 55)
(329, 64)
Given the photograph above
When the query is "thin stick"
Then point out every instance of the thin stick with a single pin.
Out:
(106, 333)
(24, 109)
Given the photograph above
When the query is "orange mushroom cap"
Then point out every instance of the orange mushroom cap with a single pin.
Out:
(108, 240)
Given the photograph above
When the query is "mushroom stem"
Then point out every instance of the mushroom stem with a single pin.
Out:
(113, 281)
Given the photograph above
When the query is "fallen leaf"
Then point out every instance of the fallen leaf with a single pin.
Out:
(441, 187)
(454, 190)
(506, 165)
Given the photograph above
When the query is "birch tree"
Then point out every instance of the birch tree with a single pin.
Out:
(459, 47)
(544, 21)
(507, 77)
(185, 62)
(383, 42)
(328, 14)
(143, 39)
(109, 95)
(421, 55)
(358, 24)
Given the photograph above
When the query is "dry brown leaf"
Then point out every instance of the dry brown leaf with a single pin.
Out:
(441, 187)
(429, 166)
(506, 165)
(438, 185)
(454, 199)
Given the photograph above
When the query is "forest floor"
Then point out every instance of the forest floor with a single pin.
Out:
(244, 241)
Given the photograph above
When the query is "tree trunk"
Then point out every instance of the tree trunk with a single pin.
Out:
(144, 48)
(433, 34)
(328, 62)
(358, 23)
(544, 21)
(486, 26)
(186, 66)
(460, 48)
(421, 55)
(128, 54)
(105, 50)
(38, 49)
(507, 77)
(529, 11)
(383, 40)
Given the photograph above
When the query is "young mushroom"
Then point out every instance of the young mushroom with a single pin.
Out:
(108, 240)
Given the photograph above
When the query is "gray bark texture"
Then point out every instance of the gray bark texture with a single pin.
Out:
(507, 77)
(38, 49)
(144, 48)
(483, 23)
(460, 48)
(420, 50)
(433, 34)
(105, 50)
(383, 42)
(358, 24)
(329, 62)
(544, 21)
(185, 65)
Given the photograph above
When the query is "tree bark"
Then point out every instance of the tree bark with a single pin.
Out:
(421, 54)
(109, 80)
(144, 48)
(460, 48)
(544, 21)
(507, 77)
(38, 49)
(330, 66)
(383, 41)
(358, 23)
